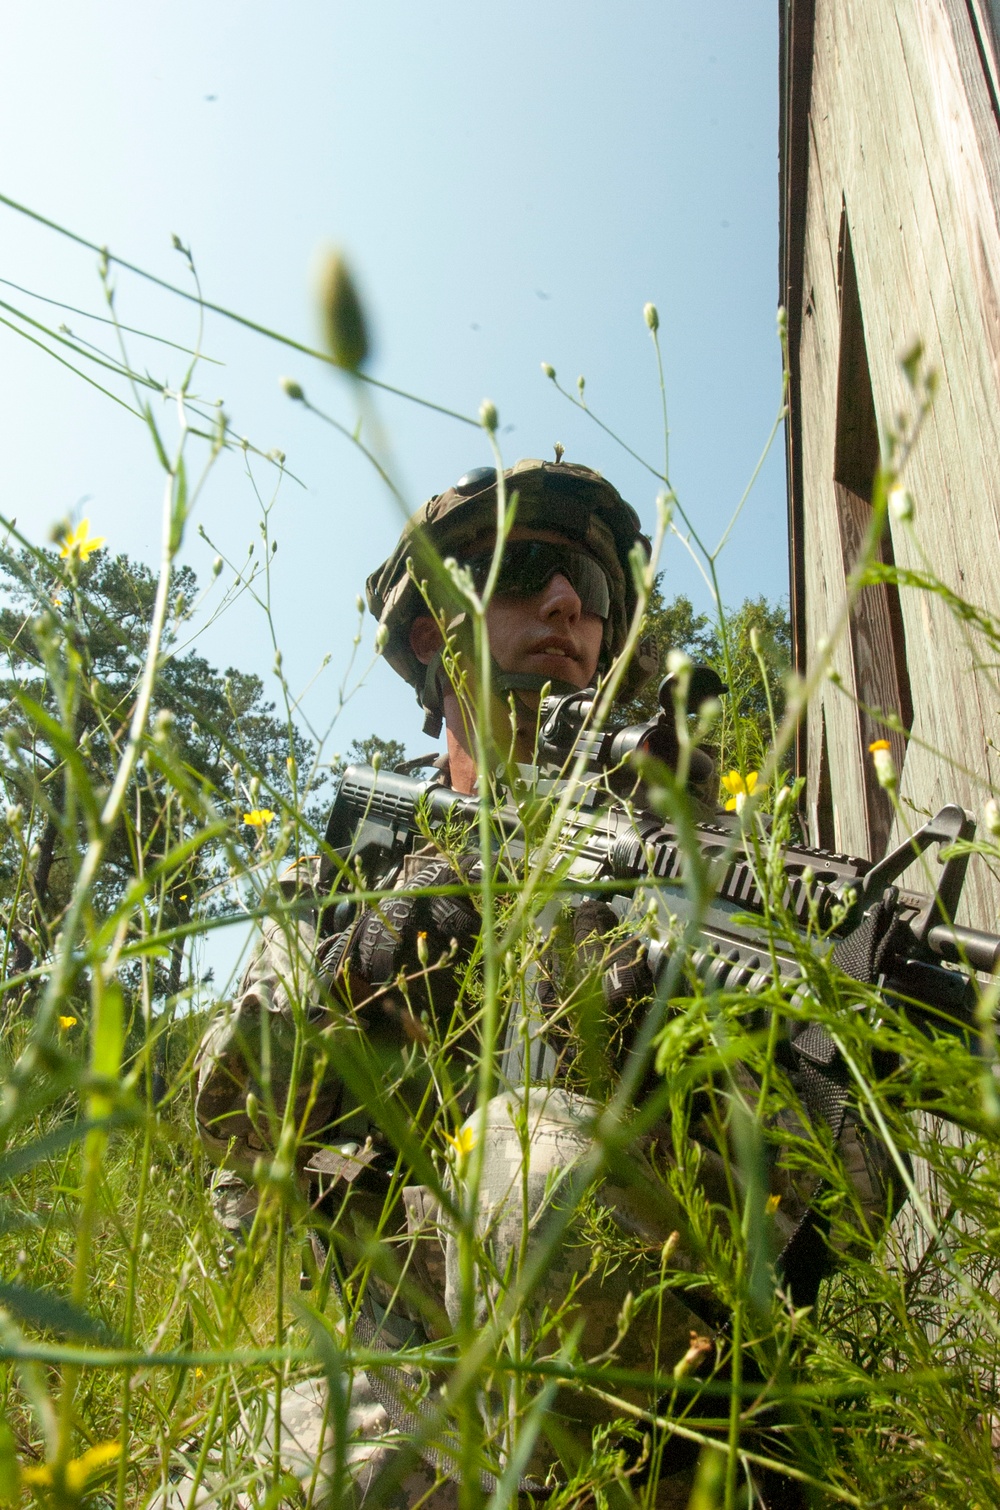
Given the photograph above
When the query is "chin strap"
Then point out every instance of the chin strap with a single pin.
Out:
(528, 681)
(503, 682)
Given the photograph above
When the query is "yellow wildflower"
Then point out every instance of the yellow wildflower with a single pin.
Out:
(40, 1474)
(80, 542)
(259, 817)
(739, 788)
(67, 1022)
(78, 1471)
(772, 1204)
(878, 744)
(464, 1143)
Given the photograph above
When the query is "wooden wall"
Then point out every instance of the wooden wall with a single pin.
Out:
(901, 194)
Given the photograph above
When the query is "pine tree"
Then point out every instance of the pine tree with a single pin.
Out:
(74, 643)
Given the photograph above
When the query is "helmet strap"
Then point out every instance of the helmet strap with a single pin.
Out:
(432, 696)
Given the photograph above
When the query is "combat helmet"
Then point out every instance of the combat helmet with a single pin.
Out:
(573, 500)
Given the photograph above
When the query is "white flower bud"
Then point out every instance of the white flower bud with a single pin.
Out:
(885, 768)
(900, 503)
(381, 638)
(290, 387)
(345, 325)
(15, 817)
(678, 662)
(549, 370)
(488, 417)
(216, 566)
(991, 817)
(651, 316)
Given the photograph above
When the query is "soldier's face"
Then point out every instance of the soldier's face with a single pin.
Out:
(548, 634)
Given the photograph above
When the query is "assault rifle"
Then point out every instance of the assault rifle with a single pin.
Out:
(615, 847)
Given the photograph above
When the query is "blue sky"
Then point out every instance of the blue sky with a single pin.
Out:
(511, 183)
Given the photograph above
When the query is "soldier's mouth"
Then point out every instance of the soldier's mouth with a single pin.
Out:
(556, 648)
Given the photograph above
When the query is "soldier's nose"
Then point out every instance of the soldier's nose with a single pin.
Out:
(559, 596)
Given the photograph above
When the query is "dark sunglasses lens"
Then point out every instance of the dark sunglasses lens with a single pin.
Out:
(529, 565)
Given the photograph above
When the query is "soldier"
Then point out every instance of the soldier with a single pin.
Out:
(570, 1226)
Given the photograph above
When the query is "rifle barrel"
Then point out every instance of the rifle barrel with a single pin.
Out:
(965, 946)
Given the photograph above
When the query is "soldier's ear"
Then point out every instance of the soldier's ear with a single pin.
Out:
(425, 639)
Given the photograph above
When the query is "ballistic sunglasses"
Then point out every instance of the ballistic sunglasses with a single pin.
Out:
(528, 566)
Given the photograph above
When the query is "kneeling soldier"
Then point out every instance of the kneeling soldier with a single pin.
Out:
(575, 1220)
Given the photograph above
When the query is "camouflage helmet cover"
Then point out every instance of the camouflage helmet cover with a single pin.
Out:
(573, 500)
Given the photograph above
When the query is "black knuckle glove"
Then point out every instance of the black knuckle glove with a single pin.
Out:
(626, 977)
(385, 940)
(381, 939)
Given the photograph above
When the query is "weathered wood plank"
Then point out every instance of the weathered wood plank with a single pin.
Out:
(825, 597)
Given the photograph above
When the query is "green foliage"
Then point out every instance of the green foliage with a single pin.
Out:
(755, 703)
(755, 664)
